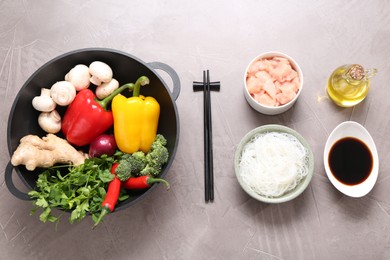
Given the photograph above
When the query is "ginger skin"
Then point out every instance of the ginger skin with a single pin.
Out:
(35, 152)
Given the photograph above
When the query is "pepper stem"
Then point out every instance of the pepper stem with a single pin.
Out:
(104, 102)
(103, 213)
(141, 81)
(152, 180)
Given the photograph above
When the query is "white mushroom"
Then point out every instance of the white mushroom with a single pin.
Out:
(50, 122)
(100, 72)
(44, 102)
(63, 93)
(79, 76)
(105, 89)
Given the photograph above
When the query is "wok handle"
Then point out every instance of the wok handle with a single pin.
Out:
(11, 186)
(172, 73)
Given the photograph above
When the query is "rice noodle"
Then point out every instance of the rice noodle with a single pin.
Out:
(273, 163)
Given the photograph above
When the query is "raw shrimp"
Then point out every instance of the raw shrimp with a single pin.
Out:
(272, 81)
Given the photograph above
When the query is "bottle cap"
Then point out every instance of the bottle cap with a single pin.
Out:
(356, 72)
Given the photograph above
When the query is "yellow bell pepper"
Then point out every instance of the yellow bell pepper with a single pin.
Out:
(135, 120)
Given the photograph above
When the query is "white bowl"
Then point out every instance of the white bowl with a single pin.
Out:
(289, 195)
(352, 129)
(268, 110)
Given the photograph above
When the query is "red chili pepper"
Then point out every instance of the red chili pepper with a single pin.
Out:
(112, 195)
(142, 182)
(87, 117)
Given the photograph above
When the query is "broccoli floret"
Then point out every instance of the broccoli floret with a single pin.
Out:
(156, 157)
(130, 165)
(160, 140)
(151, 169)
(138, 161)
(138, 164)
(123, 171)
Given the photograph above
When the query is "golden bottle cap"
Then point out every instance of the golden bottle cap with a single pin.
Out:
(356, 72)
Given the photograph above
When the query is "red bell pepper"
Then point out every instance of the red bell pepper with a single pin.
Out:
(87, 117)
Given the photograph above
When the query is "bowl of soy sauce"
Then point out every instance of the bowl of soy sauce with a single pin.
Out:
(351, 159)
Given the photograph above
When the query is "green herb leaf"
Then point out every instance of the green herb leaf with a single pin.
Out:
(80, 189)
(106, 176)
(123, 195)
(41, 202)
(45, 215)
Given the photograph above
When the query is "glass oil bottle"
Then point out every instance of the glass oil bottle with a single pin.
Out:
(349, 84)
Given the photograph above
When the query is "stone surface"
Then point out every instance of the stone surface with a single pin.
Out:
(222, 36)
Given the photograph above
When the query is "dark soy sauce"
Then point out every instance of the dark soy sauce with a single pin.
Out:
(350, 161)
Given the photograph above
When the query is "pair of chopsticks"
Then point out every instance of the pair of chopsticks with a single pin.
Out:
(206, 86)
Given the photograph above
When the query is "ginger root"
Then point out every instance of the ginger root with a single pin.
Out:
(35, 152)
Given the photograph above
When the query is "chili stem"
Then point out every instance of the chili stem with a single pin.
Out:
(103, 213)
(151, 181)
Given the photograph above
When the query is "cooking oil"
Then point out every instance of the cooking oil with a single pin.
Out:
(349, 84)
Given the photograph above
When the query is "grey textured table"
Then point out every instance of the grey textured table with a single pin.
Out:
(222, 36)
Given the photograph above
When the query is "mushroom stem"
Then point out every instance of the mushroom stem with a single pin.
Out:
(106, 89)
(44, 102)
(50, 122)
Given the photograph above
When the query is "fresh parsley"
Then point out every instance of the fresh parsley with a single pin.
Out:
(80, 190)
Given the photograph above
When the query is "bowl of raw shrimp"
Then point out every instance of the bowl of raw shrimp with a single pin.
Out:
(273, 82)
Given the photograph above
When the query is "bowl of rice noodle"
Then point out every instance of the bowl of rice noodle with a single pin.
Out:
(273, 163)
